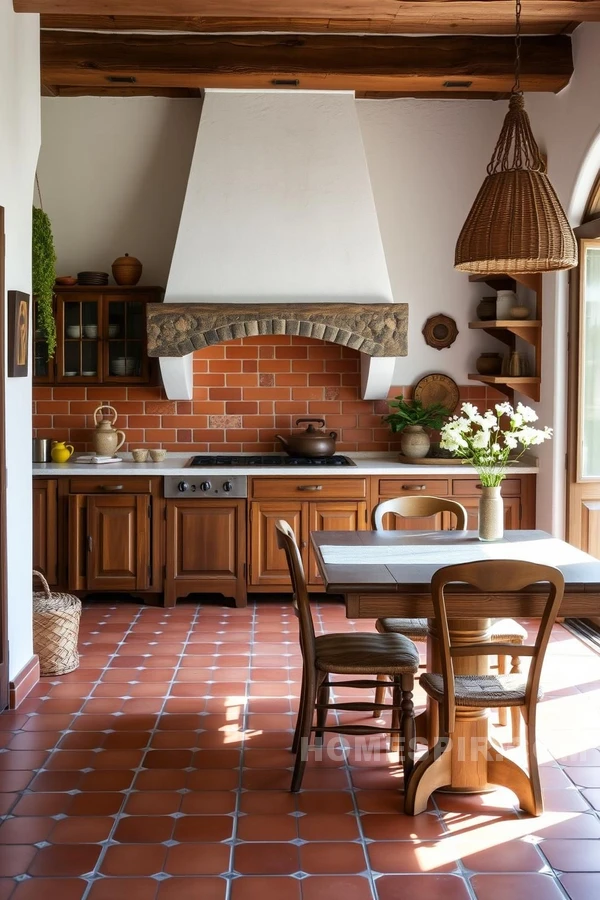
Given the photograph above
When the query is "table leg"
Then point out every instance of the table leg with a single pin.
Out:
(462, 763)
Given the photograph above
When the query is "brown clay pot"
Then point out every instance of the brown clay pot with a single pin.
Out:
(489, 364)
(127, 270)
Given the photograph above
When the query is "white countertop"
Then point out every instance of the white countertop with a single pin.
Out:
(176, 464)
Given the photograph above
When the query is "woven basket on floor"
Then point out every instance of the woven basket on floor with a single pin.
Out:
(55, 629)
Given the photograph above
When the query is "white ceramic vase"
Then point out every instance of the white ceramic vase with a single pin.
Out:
(491, 514)
(414, 442)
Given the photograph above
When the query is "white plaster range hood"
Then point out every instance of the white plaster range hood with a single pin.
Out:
(279, 210)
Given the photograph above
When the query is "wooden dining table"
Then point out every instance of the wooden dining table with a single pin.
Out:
(388, 573)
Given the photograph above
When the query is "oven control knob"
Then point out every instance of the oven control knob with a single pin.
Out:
(227, 486)
(183, 486)
(205, 486)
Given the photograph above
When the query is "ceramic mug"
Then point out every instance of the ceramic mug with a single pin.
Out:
(140, 455)
(158, 455)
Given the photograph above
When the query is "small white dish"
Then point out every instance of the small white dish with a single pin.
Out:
(73, 331)
(89, 374)
(113, 331)
(70, 374)
(90, 331)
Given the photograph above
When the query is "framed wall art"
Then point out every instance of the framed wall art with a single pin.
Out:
(18, 334)
(440, 331)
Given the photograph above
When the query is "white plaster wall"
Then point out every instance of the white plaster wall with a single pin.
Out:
(567, 127)
(427, 161)
(19, 146)
(113, 173)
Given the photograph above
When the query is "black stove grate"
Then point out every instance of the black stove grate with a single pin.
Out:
(284, 461)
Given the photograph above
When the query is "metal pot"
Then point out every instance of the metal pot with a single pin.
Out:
(312, 442)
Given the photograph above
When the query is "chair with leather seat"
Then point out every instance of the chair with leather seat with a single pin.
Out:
(505, 631)
(358, 655)
(514, 691)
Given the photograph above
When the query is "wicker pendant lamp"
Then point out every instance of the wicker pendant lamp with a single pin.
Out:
(516, 223)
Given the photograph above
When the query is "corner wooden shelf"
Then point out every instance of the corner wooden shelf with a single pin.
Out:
(525, 384)
(508, 330)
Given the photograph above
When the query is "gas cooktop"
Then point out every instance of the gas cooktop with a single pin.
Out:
(286, 461)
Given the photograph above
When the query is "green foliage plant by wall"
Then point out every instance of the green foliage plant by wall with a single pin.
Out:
(43, 276)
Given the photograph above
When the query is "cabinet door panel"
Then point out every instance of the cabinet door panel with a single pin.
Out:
(118, 543)
(45, 529)
(512, 512)
(202, 540)
(268, 563)
(415, 523)
(333, 516)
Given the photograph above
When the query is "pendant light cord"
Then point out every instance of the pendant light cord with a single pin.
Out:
(516, 88)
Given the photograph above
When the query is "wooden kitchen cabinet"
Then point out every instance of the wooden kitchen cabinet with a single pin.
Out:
(109, 542)
(206, 549)
(518, 492)
(268, 566)
(45, 528)
(101, 337)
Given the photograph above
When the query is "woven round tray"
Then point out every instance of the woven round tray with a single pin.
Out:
(55, 629)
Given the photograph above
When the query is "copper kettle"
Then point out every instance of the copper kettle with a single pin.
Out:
(312, 442)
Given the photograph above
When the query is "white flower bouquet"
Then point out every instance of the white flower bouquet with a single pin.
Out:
(480, 439)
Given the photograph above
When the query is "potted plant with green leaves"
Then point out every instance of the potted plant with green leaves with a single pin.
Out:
(411, 418)
(43, 259)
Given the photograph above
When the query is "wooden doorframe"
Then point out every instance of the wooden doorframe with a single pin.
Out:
(4, 679)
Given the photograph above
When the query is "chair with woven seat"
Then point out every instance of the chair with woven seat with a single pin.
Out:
(504, 631)
(346, 654)
(514, 691)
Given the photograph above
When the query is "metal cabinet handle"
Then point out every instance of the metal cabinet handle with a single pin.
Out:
(479, 487)
(303, 545)
(111, 487)
(414, 487)
(90, 543)
(310, 487)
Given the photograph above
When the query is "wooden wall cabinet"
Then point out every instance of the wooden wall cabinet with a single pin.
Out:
(206, 549)
(101, 337)
(45, 528)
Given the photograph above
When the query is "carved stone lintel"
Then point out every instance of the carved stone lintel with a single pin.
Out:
(376, 329)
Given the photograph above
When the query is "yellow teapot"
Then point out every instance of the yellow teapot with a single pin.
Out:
(60, 451)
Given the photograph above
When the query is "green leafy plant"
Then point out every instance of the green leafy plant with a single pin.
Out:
(43, 276)
(414, 413)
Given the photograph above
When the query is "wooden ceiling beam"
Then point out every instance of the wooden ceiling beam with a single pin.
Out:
(428, 15)
(330, 62)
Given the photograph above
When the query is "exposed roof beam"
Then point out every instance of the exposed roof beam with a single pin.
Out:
(329, 62)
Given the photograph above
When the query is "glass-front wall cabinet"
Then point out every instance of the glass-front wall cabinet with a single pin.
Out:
(101, 336)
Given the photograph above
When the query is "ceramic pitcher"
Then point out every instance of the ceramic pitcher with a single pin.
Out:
(106, 437)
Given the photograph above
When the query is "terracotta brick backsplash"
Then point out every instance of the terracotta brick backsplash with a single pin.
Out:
(245, 392)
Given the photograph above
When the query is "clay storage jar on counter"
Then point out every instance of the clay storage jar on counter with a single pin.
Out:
(127, 270)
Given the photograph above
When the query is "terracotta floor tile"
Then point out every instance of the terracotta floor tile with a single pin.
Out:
(65, 888)
(582, 886)
(195, 829)
(584, 825)
(25, 830)
(274, 802)
(153, 803)
(198, 888)
(515, 887)
(15, 859)
(398, 827)
(95, 804)
(124, 889)
(324, 887)
(324, 827)
(266, 859)
(208, 803)
(423, 887)
(411, 857)
(62, 861)
(332, 858)
(81, 830)
(572, 856)
(198, 859)
(161, 780)
(271, 888)
(267, 828)
(134, 859)
(213, 780)
(42, 804)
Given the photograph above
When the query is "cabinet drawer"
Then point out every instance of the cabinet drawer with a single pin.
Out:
(128, 484)
(471, 487)
(413, 487)
(313, 488)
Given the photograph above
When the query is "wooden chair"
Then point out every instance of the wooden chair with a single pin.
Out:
(504, 631)
(346, 654)
(516, 691)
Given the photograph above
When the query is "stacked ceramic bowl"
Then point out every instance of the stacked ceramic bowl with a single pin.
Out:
(91, 278)
(123, 365)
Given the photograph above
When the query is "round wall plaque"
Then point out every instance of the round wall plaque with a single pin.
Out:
(437, 388)
(440, 331)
